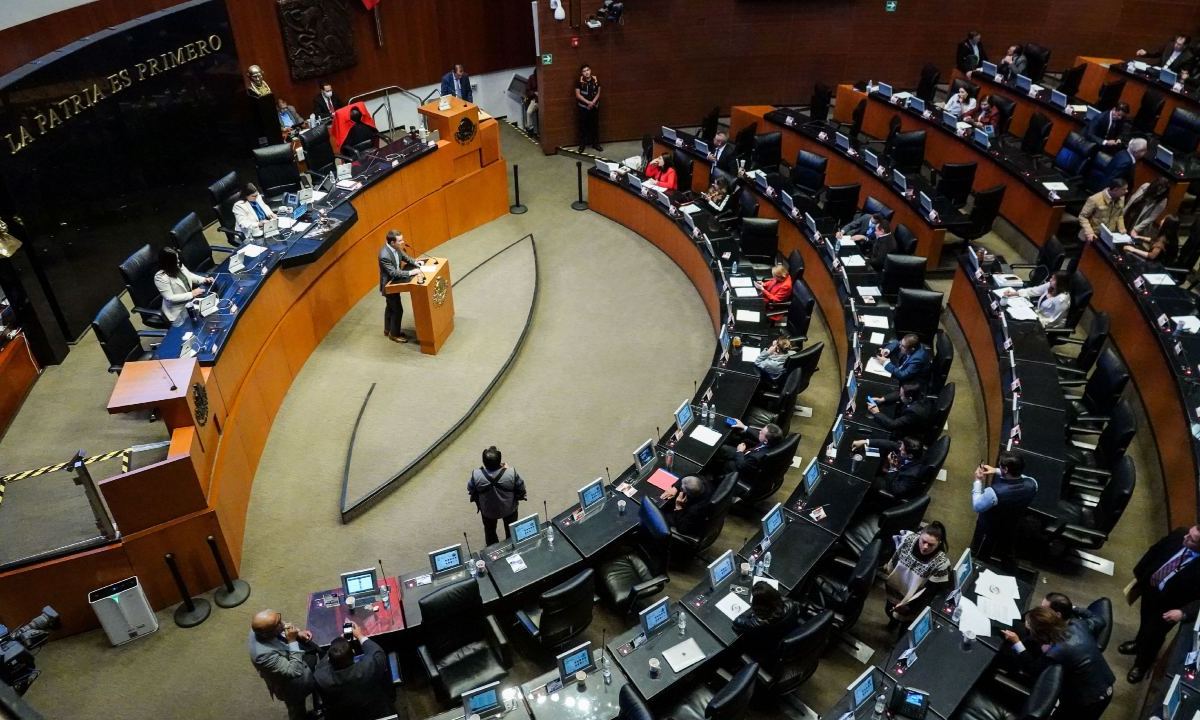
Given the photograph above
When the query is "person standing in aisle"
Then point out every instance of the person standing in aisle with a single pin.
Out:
(587, 98)
(495, 488)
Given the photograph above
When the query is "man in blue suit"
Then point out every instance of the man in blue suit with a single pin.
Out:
(1107, 128)
(457, 83)
(906, 359)
(1121, 166)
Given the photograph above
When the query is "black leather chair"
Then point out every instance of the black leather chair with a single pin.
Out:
(1071, 77)
(841, 202)
(318, 152)
(818, 105)
(902, 271)
(941, 413)
(1074, 154)
(845, 596)
(137, 271)
(954, 182)
(943, 360)
(683, 170)
(718, 505)
(1110, 94)
(983, 704)
(1101, 392)
(1146, 119)
(1182, 132)
(933, 460)
(906, 242)
(927, 85)
(1095, 178)
(1037, 59)
(1093, 466)
(631, 706)
(1079, 525)
(119, 340)
(1050, 258)
(277, 173)
(808, 174)
(797, 657)
(223, 194)
(972, 88)
(709, 125)
(759, 241)
(1102, 610)
(795, 265)
(194, 251)
(743, 142)
(984, 211)
(908, 151)
(1037, 132)
(875, 205)
(1007, 107)
(800, 310)
(767, 152)
(728, 703)
(871, 526)
(464, 646)
(754, 487)
(918, 311)
(1078, 366)
(561, 613)
(777, 407)
(1081, 292)
(639, 573)
(854, 127)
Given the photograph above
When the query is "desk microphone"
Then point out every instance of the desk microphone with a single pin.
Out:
(468, 543)
(164, 369)
(387, 596)
(609, 474)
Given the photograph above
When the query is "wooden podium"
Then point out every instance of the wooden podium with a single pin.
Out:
(432, 303)
(447, 122)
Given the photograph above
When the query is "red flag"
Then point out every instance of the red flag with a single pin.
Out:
(370, 4)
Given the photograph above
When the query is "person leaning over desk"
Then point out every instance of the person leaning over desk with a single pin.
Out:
(395, 266)
(746, 448)
(250, 213)
(177, 284)
(354, 688)
(1164, 247)
(1107, 208)
(1087, 678)
(770, 618)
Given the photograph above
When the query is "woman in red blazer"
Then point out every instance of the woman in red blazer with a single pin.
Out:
(778, 288)
(661, 169)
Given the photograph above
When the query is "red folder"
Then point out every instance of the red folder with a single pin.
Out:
(663, 480)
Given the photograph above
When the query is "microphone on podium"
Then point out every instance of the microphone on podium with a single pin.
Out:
(164, 369)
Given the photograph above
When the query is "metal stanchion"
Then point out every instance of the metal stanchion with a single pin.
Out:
(192, 611)
(517, 208)
(234, 592)
(579, 204)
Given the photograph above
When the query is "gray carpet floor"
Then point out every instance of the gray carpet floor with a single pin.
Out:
(618, 336)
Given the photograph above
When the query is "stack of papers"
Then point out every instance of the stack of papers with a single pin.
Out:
(1008, 280)
(973, 619)
(1020, 309)
(875, 321)
(1158, 279)
(748, 316)
(745, 292)
(854, 261)
(846, 241)
(869, 291)
(1055, 186)
(706, 435)
(750, 354)
(876, 339)
(732, 605)
(996, 597)
(252, 251)
(689, 209)
(741, 281)
(876, 367)
(1187, 323)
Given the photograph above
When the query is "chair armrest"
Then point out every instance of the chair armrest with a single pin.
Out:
(651, 585)
(1070, 341)
(1087, 532)
(393, 661)
(1081, 430)
(223, 248)
(499, 641)
(1094, 472)
(152, 333)
(431, 670)
(1054, 528)
(150, 312)
(1022, 266)
(685, 539)
(233, 237)
(526, 622)
(1071, 371)
(1085, 484)
(1072, 383)
(1092, 418)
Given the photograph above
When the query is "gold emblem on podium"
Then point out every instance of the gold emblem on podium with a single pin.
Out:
(439, 291)
(200, 398)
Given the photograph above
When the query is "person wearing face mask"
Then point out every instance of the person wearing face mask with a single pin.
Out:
(920, 559)
(326, 102)
(861, 227)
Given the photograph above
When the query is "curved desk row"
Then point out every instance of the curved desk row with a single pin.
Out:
(1099, 70)
(221, 411)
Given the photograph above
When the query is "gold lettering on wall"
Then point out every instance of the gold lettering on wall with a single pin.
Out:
(54, 114)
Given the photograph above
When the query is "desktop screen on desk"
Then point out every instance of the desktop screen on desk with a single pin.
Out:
(916, 104)
(899, 180)
(700, 146)
(988, 68)
(1173, 700)
(1167, 76)
(884, 89)
(949, 119)
(644, 455)
(576, 659)
(482, 699)
(1024, 82)
(447, 558)
(926, 202)
(1058, 99)
(863, 689)
(920, 627)
(668, 133)
(720, 568)
(963, 569)
(591, 493)
(655, 616)
(812, 475)
(359, 582)
(1164, 155)
(772, 521)
(524, 528)
(871, 158)
(842, 141)
(683, 415)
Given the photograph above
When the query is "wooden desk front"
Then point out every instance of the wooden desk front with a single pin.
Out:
(1098, 72)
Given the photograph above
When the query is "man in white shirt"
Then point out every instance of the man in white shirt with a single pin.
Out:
(1174, 55)
(251, 212)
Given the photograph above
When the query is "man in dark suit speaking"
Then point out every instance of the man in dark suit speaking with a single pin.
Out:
(394, 266)
(1168, 580)
(352, 689)
(457, 83)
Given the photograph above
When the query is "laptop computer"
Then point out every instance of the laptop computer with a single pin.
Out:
(684, 655)
(361, 585)
(700, 146)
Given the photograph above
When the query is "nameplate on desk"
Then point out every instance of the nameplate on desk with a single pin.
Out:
(1008, 343)
(1015, 386)
(789, 121)
(1015, 434)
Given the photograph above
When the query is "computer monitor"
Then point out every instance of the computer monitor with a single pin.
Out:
(842, 141)
(812, 224)
(700, 146)
(1059, 99)
(926, 202)
(772, 522)
(655, 616)
(1173, 700)
(916, 104)
(634, 181)
(723, 338)
(524, 529)
(812, 476)
(446, 559)
(884, 89)
(359, 583)
(482, 700)
(574, 660)
(605, 167)
(862, 689)
(663, 199)
(591, 494)
(787, 201)
(871, 158)
(668, 133)
(687, 220)
(643, 457)
(1092, 112)
(1024, 82)
(982, 139)
(963, 569)
(988, 68)
(831, 249)
(851, 387)
(720, 569)
(949, 119)
(899, 180)
(683, 415)
(1164, 156)
(919, 629)
(1167, 76)
(760, 179)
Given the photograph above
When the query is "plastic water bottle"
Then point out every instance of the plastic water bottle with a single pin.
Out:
(766, 563)
(604, 670)
(704, 412)
(682, 622)
(880, 705)
(733, 269)
(670, 458)
(471, 567)
(550, 534)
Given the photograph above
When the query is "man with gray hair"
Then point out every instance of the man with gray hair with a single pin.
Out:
(686, 513)
(1121, 165)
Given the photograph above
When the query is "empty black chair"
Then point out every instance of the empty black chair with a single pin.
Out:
(943, 360)
(224, 193)
(808, 174)
(1182, 132)
(562, 612)
(1081, 299)
(631, 706)
(639, 573)
(1033, 142)
(464, 646)
(743, 142)
(1050, 258)
(800, 310)
(1096, 178)
(856, 120)
(1101, 392)
(908, 151)
(755, 486)
(870, 526)
(902, 271)
(873, 205)
(927, 86)
(955, 181)
(768, 152)
(795, 265)
(894, 127)
(941, 413)
(1037, 59)
(906, 242)
(918, 311)
(1080, 526)
(717, 508)
(119, 340)
(972, 88)
(682, 163)
(1081, 364)
(984, 210)
(1151, 107)
(1110, 94)
(277, 173)
(728, 703)
(1102, 613)
(1069, 85)
(1094, 465)
(841, 202)
(1039, 705)
(818, 105)
(1074, 154)
(759, 240)
(318, 153)
(777, 407)
(708, 125)
(194, 250)
(137, 271)
(846, 597)
(933, 460)
(1007, 107)
(797, 657)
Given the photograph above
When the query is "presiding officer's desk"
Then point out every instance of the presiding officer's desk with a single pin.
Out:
(1102, 70)
(416, 585)
(947, 667)
(634, 662)
(1164, 368)
(328, 612)
(544, 562)
(594, 699)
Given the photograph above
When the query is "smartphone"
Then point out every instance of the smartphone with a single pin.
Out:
(347, 631)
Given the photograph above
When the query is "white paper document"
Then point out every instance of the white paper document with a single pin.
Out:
(876, 367)
(706, 435)
(748, 316)
(994, 585)
(1008, 280)
(745, 292)
(1021, 310)
(300, 227)
(741, 281)
(1187, 323)
(973, 619)
(515, 562)
(252, 251)
(750, 354)
(733, 606)
(869, 291)
(845, 241)
(854, 261)
(876, 339)
(286, 222)
(1001, 609)
(318, 196)
(875, 321)
(689, 209)
(1055, 186)
(1158, 279)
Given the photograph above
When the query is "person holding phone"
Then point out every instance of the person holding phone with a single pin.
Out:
(353, 688)
(910, 411)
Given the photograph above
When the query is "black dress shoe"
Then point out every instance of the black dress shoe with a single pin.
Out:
(1135, 675)
(1128, 648)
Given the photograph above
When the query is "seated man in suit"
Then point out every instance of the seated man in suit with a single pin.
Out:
(326, 102)
(882, 242)
(861, 228)
(457, 83)
(351, 689)
(722, 155)
(1174, 55)
(910, 414)
(359, 132)
(686, 513)
(1121, 165)
(744, 450)
(901, 473)
(289, 119)
(907, 359)
(251, 212)
(1013, 63)
(1107, 128)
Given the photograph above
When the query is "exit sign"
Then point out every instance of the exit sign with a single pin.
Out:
(891, 5)
(547, 59)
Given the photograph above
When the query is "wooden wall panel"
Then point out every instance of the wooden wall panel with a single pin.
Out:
(729, 52)
(70, 579)
(422, 40)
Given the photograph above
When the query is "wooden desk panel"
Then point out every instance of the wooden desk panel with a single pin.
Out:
(976, 328)
(64, 583)
(1099, 71)
(18, 373)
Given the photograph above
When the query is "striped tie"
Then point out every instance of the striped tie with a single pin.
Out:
(1167, 569)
